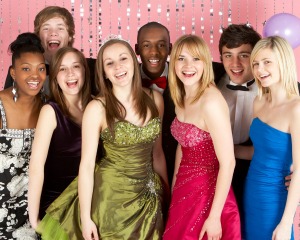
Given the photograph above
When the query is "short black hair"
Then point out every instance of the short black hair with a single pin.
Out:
(236, 35)
(152, 25)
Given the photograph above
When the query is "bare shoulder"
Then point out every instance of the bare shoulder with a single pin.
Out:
(212, 97)
(295, 107)
(97, 105)
(47, 110)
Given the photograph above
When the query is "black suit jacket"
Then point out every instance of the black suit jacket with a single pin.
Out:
(91, 63)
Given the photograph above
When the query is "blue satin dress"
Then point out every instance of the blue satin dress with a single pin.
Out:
(265, 192)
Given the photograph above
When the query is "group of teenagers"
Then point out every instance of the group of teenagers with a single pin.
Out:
(117, 149)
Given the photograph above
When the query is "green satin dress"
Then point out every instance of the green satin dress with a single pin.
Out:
(127, 196)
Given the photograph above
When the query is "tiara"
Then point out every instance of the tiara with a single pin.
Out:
(113, 37)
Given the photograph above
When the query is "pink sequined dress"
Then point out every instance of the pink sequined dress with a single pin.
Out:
(194, 189)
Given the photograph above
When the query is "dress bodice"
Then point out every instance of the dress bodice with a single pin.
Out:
(195, 187)
(130, 140)
(272, 151)
(63, 159)
(15, 150)
(196, 144)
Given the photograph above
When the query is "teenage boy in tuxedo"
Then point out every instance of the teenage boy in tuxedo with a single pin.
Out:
(56, 29)
(239, 90)
(154, 46)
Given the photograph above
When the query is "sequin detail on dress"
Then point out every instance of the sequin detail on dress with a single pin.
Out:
(194, 189)
(127, 193)
(15, 150)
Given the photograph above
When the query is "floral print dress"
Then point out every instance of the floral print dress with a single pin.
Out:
(15, 150)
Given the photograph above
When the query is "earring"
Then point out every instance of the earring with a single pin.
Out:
(14, 92)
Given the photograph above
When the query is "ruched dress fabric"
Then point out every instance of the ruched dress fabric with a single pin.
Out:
(63, 159)
(15, 151)
(194, 188)
(127, 195)
(265, 192)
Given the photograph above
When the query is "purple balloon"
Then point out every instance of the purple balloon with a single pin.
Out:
(284, 25)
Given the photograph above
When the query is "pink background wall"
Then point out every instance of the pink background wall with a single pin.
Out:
(95, 20)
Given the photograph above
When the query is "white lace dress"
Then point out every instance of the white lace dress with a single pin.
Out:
(15, 150)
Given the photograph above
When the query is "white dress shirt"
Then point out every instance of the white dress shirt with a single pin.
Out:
(240, 105)
(154, 86)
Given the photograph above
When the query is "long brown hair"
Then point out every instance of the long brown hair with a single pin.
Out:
(56, 93)
(114, 108)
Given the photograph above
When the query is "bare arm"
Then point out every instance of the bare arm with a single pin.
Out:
(243, 152)
(91, 128)
(42, 138)
(283, 230)
(218, 125)
(178, 157)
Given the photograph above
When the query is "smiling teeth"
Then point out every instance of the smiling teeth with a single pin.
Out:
(237, 71)
(188, 73)
(57, 42)
(154, 61)
(120, 74)
(262, 76)
(33, 83)
(72, 81)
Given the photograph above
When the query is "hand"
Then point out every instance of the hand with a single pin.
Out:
(34, 224)
(282, 232)
(89, 230)
(213, 229)
(288, 181)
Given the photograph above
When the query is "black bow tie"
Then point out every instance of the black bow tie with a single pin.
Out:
(240, 87)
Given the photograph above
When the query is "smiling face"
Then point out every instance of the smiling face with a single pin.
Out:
(265, 67)
(189, 68)
(54, 35)
(236, 62)
(118, 65)
(29, 73)
(70, 77)
(153, 47)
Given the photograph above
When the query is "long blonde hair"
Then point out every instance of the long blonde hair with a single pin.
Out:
(198, 48)
(286, 63)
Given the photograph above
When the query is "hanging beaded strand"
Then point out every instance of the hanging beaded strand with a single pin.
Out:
(168, 14)
(247, 17)
(81, 11)
(159, 12)
(119, 18)
(99, 27)
(229, 12)
(211, 16)
(138, 14)
(202, 18)
(128, 19)
(149, 9)
(182, 17)
(90, 21)
(193, 16)
(177, 18)
(221, 16)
